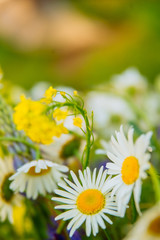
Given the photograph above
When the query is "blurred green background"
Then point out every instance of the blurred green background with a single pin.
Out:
(78, 43)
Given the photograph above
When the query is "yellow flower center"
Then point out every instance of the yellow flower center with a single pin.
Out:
(130, 170)
(154, 227)
(32, 172)
(90, 201)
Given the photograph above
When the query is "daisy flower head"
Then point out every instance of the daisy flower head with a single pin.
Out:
(8, 200)
(129, 162)
(37, 177)
(86, 200)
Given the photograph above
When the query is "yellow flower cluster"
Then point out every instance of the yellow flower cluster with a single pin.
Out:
(30, 116)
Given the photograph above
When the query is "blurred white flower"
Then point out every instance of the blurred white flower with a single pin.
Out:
(130, 80)
(151, 107)
(59, 97)
(109, 111)
(37, 91)
(148, 226)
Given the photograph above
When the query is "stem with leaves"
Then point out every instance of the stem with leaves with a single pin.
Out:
(75, 106)
(24, 141)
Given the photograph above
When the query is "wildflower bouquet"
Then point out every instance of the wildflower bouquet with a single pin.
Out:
(67, 174)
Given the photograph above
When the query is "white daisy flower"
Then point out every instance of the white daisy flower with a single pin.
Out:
(37, 177)
(130, 161)
(148, 226)
(87, 201)
(8, 200)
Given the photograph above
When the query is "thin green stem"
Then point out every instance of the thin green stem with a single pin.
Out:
(21, 140)
(156, 182)
(60, 227)
(76, 134)
(88, 139)
(37, 154)
(83, 112)
(107, 234)
(133, 210)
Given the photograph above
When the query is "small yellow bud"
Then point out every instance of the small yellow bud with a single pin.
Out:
(22, 97)
(77, 121)
(49, 94)
(75, 93)
(58, 114)
(62, 93)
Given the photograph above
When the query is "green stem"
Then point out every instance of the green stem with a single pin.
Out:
(60, 227)
(133, 210)
(21, 140)
(155, 181)
(107, 234)
(37, 154)
(83, 112)
(76, 134)
(88, 138)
